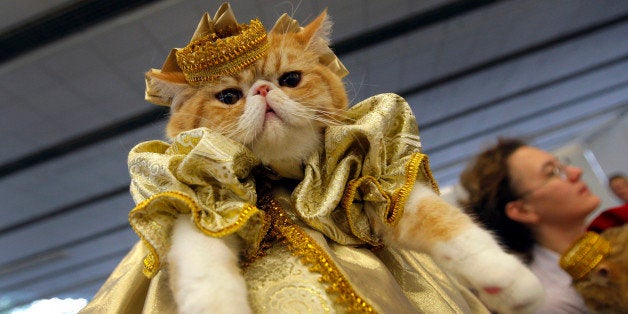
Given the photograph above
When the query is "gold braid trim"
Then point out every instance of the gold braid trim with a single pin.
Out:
(152, 264)
(214, 55)
(302, 245)
(247, 212)
(401, 195)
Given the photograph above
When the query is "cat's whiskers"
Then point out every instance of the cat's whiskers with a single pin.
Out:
(354, 88)
(228, 129)
(242, 134)
(232, 130)
(189, 115)
(294, 8)
(337, 114)
(326, 116)
(314, 116)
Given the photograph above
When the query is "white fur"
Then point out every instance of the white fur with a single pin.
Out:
(204, 272)
(284, 140)
(475, 258)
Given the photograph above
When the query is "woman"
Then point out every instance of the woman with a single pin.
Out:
(536, 206)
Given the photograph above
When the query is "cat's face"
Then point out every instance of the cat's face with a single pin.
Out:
(283, 92)
(605, 288)
(277, 107)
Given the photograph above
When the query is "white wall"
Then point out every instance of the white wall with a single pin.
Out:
(607, 152)
(610, 146)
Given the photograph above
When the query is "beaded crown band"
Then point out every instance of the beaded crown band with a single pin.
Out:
(224, 52)
(584, 255)
(220, 46)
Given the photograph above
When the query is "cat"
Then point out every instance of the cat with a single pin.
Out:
(287, 99)
(605, 288)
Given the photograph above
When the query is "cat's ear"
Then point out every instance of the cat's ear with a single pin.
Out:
(163, 87)
(316, 35)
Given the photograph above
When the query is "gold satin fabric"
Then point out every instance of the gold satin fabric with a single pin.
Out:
(369, 164)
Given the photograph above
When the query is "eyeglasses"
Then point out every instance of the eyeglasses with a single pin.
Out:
(558, 170)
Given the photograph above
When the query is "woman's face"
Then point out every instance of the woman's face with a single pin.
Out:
(553, 190)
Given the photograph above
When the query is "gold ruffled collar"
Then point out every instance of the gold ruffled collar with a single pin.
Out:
(368, 165)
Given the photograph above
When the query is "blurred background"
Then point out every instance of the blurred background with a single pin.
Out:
(72, 85)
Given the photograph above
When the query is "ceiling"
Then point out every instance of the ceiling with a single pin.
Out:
(71, 76)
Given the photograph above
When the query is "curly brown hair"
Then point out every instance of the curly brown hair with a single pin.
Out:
(489, 185)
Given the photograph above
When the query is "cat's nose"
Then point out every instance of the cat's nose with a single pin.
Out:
(262, 90)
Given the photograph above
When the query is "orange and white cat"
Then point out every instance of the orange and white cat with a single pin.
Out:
(286, 99)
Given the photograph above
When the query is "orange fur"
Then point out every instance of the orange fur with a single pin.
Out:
(605, 288)
(433, 221)
(175, 77)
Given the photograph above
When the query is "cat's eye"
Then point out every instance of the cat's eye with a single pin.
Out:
(290, 79)
(229, 96)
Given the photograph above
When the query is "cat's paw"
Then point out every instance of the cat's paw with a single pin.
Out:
(499, 279)
(505, 285)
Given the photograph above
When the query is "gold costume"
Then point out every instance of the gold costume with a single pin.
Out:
(309, 246)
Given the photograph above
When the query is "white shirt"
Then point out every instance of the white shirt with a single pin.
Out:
(560, 296)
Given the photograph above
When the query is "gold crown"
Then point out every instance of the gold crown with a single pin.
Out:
(225, 52)
(220, 46)
(584, 255)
